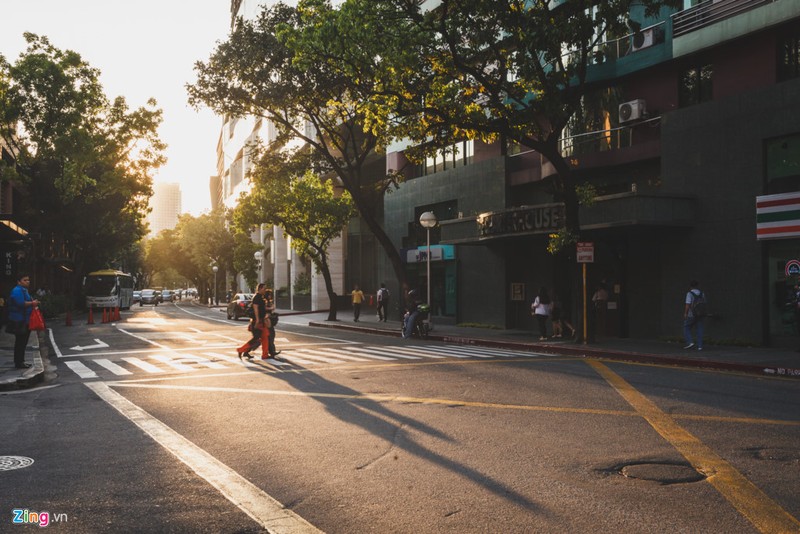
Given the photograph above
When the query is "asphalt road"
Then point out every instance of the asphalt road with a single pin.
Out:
(152, 424)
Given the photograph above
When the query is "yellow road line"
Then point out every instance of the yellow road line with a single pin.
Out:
(764, 513)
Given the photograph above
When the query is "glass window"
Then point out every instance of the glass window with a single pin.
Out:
(789, 58)
(696, 86)
(783, 164)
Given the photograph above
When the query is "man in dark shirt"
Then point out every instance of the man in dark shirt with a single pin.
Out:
(258, 323)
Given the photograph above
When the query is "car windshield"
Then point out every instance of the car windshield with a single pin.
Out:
(148, 292)
(101, 285)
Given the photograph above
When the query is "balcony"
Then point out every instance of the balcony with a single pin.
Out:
(710, 12)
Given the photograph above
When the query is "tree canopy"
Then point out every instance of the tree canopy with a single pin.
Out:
(84, 163)
(309, 209)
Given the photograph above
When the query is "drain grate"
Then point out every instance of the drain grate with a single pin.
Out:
(8, 463)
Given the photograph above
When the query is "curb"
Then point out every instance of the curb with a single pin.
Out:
(587, 352)
(30, 377)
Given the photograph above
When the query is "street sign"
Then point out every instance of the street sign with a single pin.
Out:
(585, 252)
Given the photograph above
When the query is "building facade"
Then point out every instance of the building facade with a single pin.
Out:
(701, 118)
(165, 207)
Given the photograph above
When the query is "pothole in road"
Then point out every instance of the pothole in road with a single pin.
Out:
(661, 472)
(9, 463)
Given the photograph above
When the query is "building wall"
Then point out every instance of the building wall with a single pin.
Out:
(166, 207)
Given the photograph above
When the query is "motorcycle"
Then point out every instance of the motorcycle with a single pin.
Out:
(422, 325)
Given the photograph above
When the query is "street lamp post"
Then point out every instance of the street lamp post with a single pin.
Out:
(428, 220)
(258, 255)
(215, 269)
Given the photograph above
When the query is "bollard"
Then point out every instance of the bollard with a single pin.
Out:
(69, 318)
(91, 315)
(105, 315)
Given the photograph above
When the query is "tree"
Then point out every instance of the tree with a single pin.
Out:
(84, 163)
(307, 207)
(274, 68)
(509, 70)
(205, 241)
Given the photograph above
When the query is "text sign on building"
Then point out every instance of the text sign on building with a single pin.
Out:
(778, 216)
(585, 252)
(525, 220)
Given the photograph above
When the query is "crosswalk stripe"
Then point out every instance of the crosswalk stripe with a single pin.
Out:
(493, 352)
(332, 353)
(315, 357)
(416, 352)
(381, 352)
(456, 352)
(199, 360)
(81, 370)
(143, 365)
(290, 357)
(111, 366)
(279, 363)
(175, 364)
(229, 359)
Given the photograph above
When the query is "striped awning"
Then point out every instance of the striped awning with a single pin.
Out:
(778, 216)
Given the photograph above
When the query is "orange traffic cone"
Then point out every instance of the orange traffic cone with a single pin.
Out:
(91, 316)
(69, 318)
(116, 313)
(105, 315)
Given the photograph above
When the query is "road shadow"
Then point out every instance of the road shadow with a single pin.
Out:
(352, 407)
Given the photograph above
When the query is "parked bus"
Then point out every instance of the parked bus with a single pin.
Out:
(108, 289)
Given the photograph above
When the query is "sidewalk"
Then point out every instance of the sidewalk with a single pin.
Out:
(11, 378)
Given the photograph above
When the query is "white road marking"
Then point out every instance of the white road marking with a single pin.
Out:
(450, 351)
(81, 370)
(199, 360)
(175, 364)
(331, 352)
(409, 350)
(111, 366)
(261, 507)
(53, 342)
(231, 359)
(382, 352)
(142, 338)
(143, 365)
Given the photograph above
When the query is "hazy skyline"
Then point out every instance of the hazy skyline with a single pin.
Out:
(143, 49)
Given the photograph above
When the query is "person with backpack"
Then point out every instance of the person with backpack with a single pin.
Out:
(694, 315)
(383, 303)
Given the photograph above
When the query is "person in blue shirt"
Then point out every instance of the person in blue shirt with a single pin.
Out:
(20, 305)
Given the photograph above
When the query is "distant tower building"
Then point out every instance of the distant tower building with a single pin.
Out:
(166, 207)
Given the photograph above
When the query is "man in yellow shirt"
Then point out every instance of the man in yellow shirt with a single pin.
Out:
(358, 298)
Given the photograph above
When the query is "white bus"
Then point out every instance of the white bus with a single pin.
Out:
(108, 289)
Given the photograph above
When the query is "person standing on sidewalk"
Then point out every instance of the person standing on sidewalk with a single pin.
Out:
(694, 315)
(358, 298)
(540, 309)
(383, 303)
(20, 305)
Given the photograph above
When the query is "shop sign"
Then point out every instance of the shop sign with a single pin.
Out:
(778, 216)
(792, 268)
(438, 253)
(540, 219)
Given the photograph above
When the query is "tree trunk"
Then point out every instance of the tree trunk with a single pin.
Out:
(326, 275)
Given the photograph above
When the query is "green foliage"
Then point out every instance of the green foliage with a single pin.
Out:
(302, 284)
(85, 162)
(53, 305)
(586, 193)
(561, 240)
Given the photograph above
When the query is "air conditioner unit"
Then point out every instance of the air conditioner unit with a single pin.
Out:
(643, 39)
(631, 111)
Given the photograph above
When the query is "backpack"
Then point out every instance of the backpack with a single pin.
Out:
(383, 293)
(699, 306)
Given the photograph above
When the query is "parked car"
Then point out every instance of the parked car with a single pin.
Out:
(137, 296)
(239, 305)
(167, 295)
(149, 296)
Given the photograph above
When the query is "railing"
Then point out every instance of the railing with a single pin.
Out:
(710, 12)
(602, 140)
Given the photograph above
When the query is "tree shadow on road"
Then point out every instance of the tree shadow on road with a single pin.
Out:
(354, 408)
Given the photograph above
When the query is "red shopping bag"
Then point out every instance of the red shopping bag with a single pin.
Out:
(36, 322)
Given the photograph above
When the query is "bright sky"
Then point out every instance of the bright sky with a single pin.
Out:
(145, 48)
